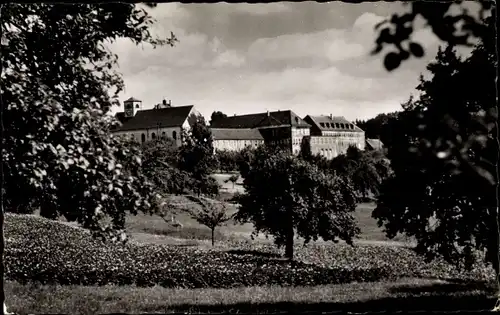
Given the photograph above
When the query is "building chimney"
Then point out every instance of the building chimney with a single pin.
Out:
(268, 113)
(331, 116)
(165, 104)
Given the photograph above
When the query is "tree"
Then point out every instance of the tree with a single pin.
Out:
(217, 115)
(196, 156)
(366, 170)
(378, 127)
(227, 161)
(245, 160)
(160, 166)
(460, 29)
(287, 196)
(197, 151)
(305, 149)
(211, 214)
(58, 79)
(71, 165)
(233, 179)
(444, 189)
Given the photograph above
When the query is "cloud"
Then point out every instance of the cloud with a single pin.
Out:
(367, 21)
(229, 58)
(259, 9)
(309, 57)
(319, 48)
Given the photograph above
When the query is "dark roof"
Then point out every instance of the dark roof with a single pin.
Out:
(132, 99)
(259, 120)
(236, 134)
(374, 144)
(335, 123)
(151, 118)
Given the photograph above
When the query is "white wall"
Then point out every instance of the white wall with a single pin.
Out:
(337, 143)
(235, 145)
(148, 133)
(297, 135)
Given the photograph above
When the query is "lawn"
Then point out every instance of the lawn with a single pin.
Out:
(152, 228)
(186, 274)
(405, 294)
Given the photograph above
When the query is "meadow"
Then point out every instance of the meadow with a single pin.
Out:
(55, 267)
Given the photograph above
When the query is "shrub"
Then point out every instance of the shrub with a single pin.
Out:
(55, 253)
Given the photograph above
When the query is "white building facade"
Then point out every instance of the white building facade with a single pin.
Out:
(332, 136)
(163, 121)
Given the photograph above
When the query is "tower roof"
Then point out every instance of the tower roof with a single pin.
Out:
(132, 99)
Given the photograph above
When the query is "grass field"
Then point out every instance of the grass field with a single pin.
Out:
(152, 228)
(404, 293)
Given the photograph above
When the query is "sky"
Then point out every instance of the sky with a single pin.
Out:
(312, 58)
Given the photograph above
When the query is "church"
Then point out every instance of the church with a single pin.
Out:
(164, 120)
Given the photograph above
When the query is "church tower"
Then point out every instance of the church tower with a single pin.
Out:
(131, 107)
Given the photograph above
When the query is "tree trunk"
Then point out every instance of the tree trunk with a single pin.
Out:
(496, 250)
(47, 211)
(213, 237)
(289, 242)
(2, 248)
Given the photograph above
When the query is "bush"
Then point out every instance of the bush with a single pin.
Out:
(193, 233)
(227, 160)
(40, 250)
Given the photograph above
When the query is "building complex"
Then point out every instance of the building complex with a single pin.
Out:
(328, 136)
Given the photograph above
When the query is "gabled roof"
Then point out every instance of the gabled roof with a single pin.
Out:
(132, 99)
(374, 144)
(259, 120)
(154, 118)
(335, 123)
(236, 134)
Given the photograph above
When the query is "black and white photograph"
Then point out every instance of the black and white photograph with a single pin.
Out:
(209, 158)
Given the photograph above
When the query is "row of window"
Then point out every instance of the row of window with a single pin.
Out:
(336, 125)
(328, 152)
(236, 142)
(284, 141)
(343, 134)
(153, 136)
(327, 140)
(300, 131)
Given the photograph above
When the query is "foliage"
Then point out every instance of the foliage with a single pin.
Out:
(366, 170)
(58, 77)
(305, 149)
(211, 214)
(234, 161)
(227, 161)
(233, 179)
(285, 195)
(217, 115)
(444, 188)
(378, 127)
(161, 166)
(196, 155)
(459, 29)
(56, 253)
(160, 159)
(245, 159)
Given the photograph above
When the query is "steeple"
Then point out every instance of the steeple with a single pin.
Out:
(131, 106)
